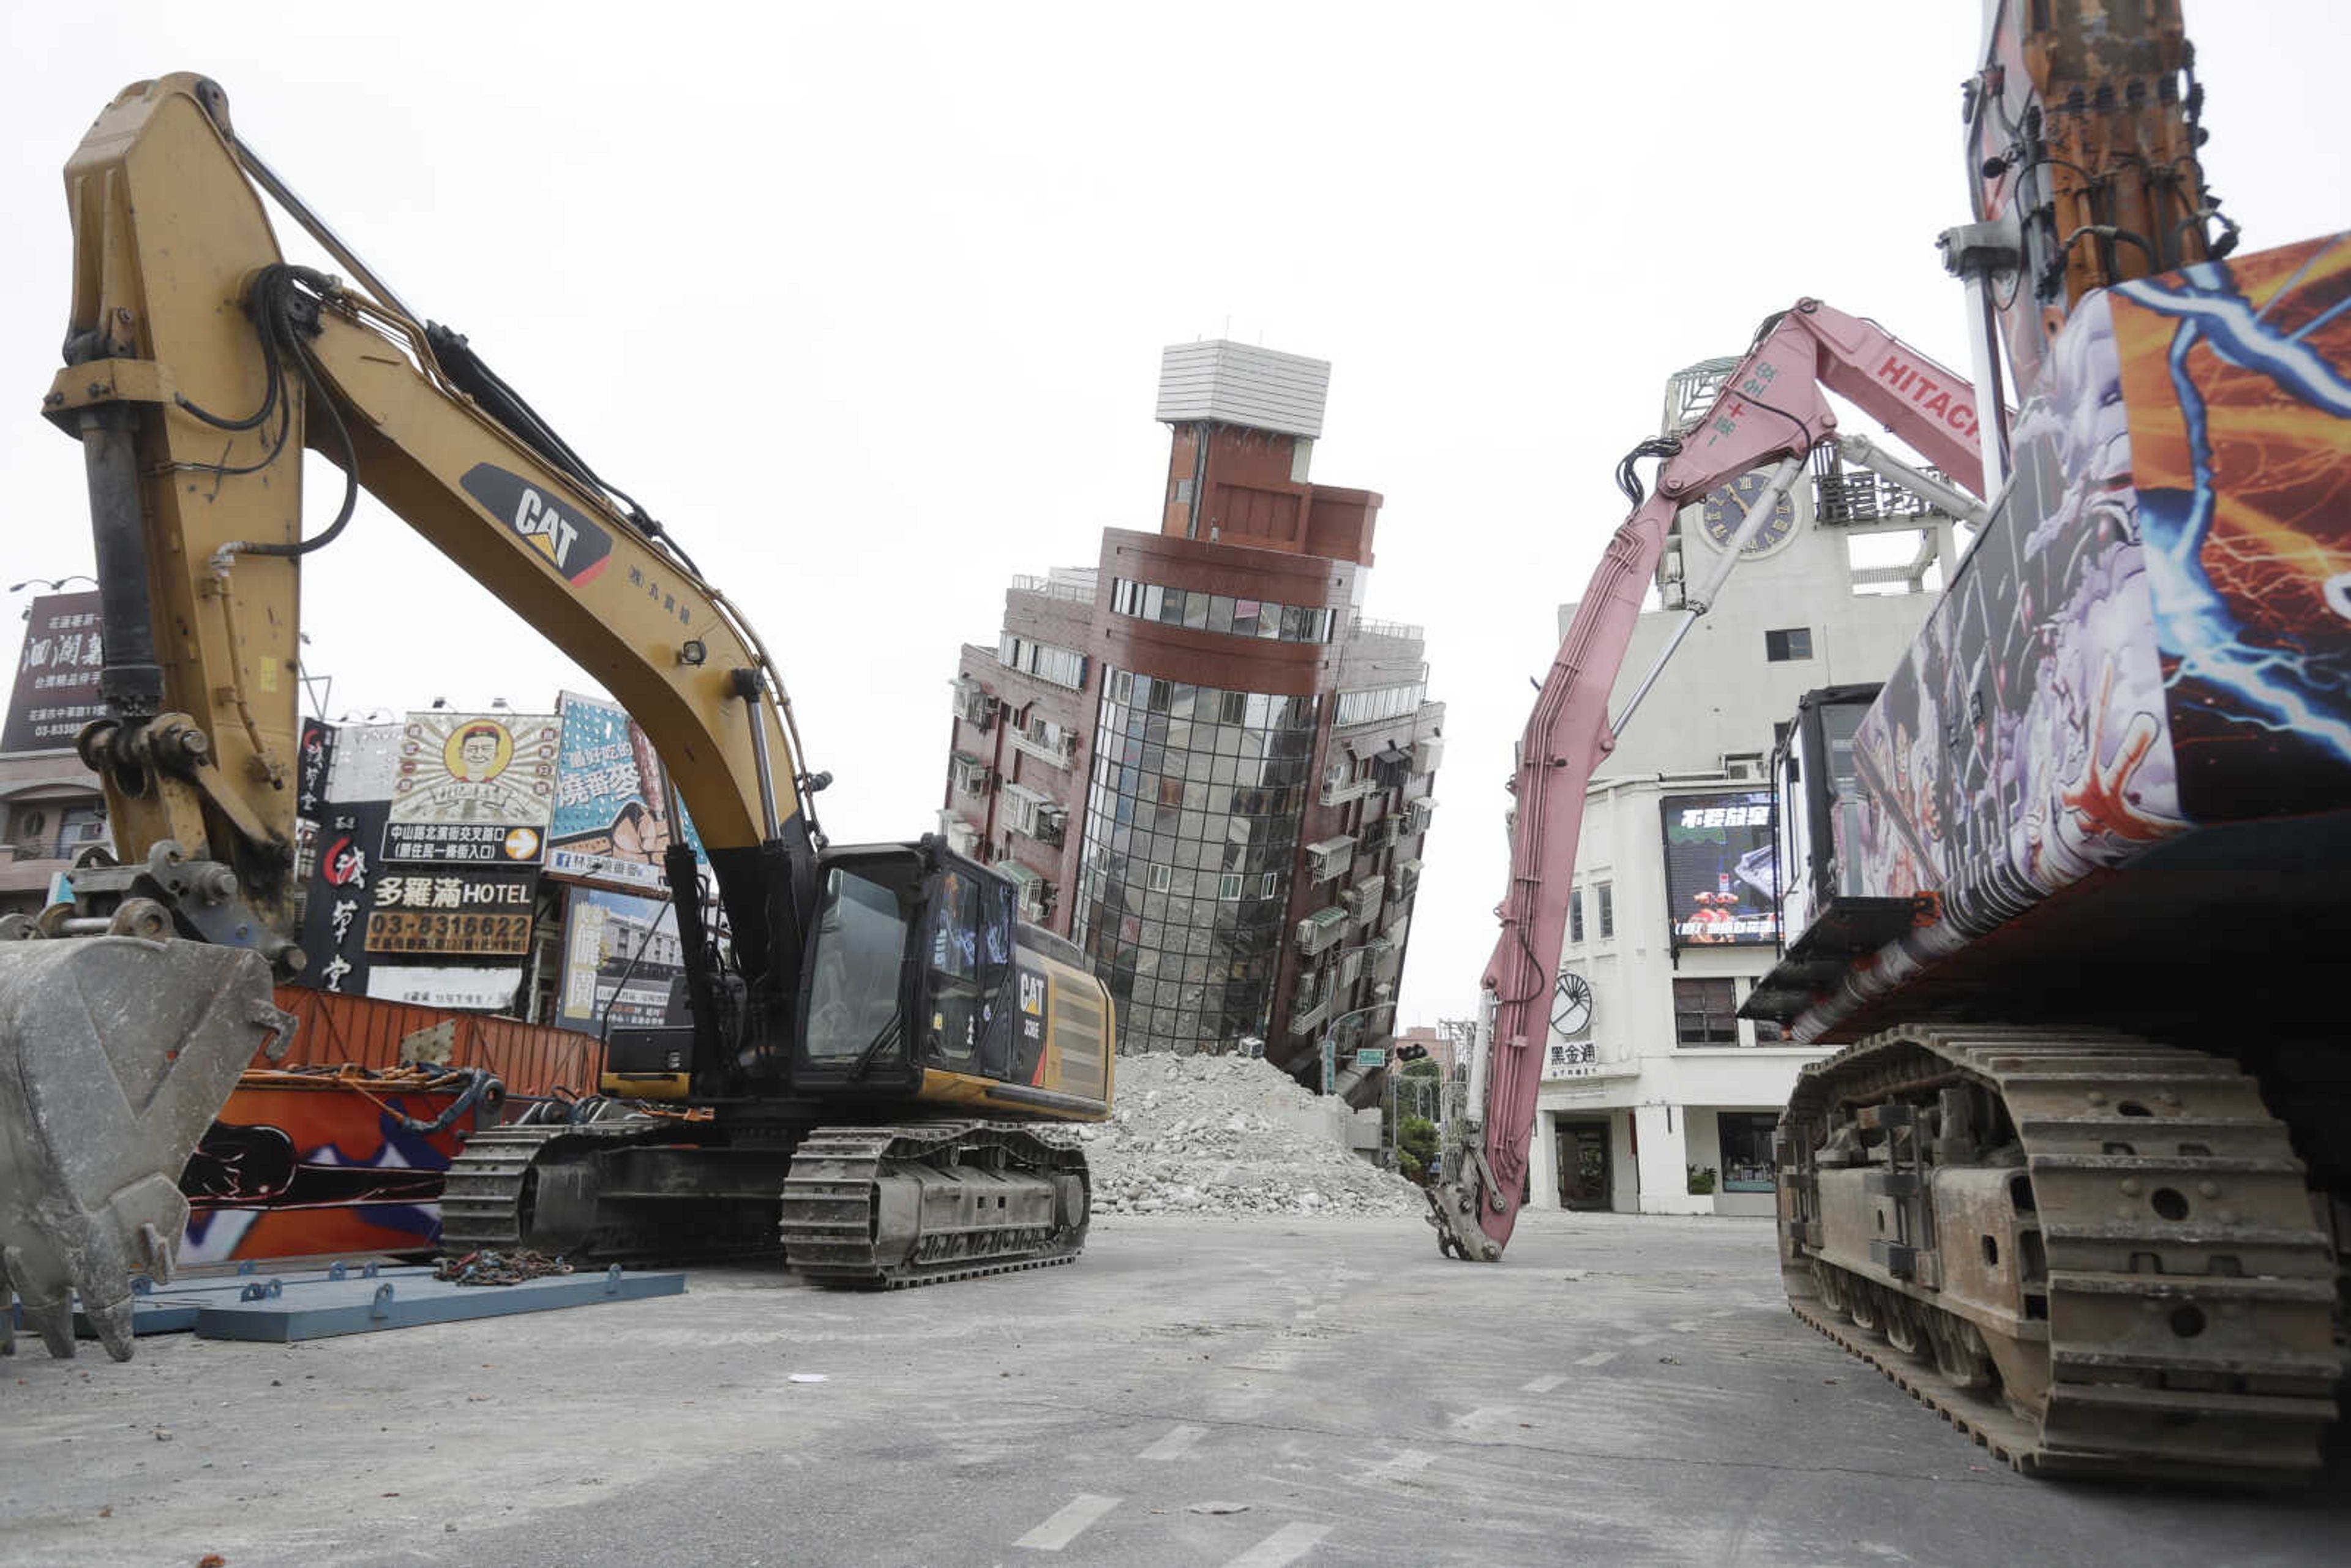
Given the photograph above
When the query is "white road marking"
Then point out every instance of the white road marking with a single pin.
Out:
(1639, 1340)
(1688, 1326)
(1545, 1385)
(1597, 1358)
(1472, 1418)
(1287, 1544)
(1176, 1445)
(1724, 1313)
(1070, 1523)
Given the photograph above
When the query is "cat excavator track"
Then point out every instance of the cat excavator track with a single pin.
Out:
(2094, 1253)
(644, 1190)
(923, 1202)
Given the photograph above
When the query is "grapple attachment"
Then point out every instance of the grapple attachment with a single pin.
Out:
(116, 1053)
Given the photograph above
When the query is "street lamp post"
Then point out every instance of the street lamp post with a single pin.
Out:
(1329, 1041)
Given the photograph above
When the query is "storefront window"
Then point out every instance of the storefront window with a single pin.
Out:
(1746, 1139)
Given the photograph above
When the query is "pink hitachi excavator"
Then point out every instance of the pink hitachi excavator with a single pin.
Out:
(1771, 413)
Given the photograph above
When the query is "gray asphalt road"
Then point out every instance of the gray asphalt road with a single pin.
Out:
(1620, 1391)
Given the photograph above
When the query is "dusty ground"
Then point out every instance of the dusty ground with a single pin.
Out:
(1618, 1390)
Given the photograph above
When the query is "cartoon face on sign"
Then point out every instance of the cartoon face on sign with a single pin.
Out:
(478, 753)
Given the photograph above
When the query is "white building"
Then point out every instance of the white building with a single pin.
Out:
(1649, 1075)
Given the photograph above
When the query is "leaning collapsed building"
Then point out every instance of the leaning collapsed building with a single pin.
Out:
(1196, 757)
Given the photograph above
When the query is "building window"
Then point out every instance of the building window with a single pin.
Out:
(1199, 610)
(1605, 894)
(1062, 666)
(1162, 878)
(1576, 914)
(1374, 703)
(1228, 885)
(1267, 883)
(1768, 1033)
(1788, 644)
(1706, 1012)
(1746, 1139)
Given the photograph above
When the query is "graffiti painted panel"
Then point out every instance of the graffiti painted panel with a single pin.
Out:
(2237, 375)
(2151, 633)
(303, 1171)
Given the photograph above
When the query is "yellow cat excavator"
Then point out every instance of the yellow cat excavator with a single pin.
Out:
(883, 1061)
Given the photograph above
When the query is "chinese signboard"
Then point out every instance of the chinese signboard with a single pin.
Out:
(492, 843)
(428, 836)
(316, 766)
(341, 892)
(474, 913)
(473, 787)
(57, 674)
(463, 990)
(620, 954)
(1721, 882)
(614, 818)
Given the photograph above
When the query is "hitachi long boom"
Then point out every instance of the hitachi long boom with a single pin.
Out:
(1772, 411)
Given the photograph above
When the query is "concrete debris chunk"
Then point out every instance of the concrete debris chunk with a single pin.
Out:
(1231, 1137)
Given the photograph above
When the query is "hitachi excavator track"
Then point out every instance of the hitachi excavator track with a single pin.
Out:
(2117, 1274)
(928, 1202)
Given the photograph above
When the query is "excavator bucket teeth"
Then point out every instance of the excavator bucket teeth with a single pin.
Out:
(115, 1055)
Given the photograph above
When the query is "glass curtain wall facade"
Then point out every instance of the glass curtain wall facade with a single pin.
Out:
(1191, 831)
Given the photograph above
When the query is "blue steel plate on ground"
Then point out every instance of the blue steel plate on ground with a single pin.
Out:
(173, 1308)
(324, 1307)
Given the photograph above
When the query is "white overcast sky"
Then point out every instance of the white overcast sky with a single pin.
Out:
(866, 302)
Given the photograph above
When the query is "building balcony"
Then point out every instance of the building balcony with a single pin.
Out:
(1363, 900)
(1304, 1020)
(972, 774)
(1338, 792)
(974, 704)
(1330, 858)
(1053, 754)
(1321, 930)
(1075, 592)
(1397, 629)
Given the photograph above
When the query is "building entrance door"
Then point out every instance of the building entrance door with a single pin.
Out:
(1583, 1165)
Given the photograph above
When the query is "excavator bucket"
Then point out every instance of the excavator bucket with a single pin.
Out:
(115, 1055)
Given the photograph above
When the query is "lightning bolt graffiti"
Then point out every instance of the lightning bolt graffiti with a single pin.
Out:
(2274, 685)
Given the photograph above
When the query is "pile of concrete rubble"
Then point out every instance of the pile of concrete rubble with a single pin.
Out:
(1234, 1137)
